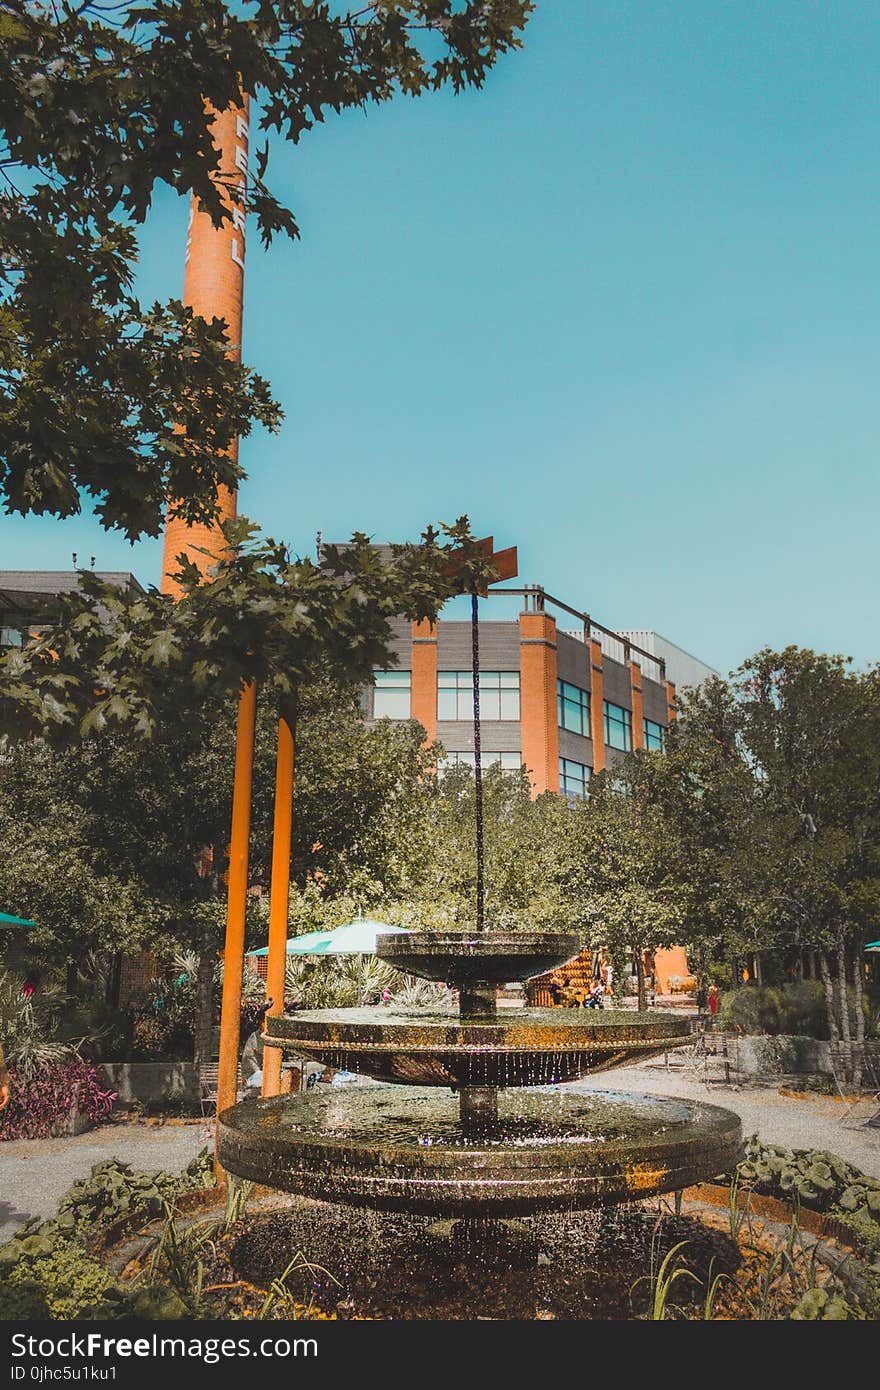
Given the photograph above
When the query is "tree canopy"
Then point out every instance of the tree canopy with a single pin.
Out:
(131, 406)
(117, 660)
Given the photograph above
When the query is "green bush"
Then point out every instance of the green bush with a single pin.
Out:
(793, 1009)
(820, 1305)
(45, 1270)
(64, 1281)
(819, 1179)
(114, 1189)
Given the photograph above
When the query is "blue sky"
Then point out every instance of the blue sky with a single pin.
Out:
(620, 307)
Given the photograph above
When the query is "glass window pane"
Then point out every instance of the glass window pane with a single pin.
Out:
(507, 761)
(391, 704)
(653, 735)
(573, 705)
(618, 727)
(573, 778)
(510, 704)
(499, 695)
(391, 696)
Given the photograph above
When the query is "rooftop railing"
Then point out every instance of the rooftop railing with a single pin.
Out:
(536, 601)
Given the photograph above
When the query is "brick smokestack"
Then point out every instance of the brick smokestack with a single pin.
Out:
(214, 288)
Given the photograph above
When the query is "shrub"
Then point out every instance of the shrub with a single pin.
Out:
(815, 1177)
(40, 1106)
(163, 1021)
(46, 1271)
(114, 1189)
(61, 1283)
(28, 1023)
(793, 1009)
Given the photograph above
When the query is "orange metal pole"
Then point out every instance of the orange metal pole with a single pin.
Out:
(279, 897)
(236, 900)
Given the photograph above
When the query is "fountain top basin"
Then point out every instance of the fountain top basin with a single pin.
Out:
(490, 958)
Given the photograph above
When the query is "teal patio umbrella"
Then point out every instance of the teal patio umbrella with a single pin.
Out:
(7, 921)
(352, 939)
(873, 946)
(356, 938)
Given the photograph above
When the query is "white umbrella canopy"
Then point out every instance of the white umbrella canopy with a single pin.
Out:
(356, 938)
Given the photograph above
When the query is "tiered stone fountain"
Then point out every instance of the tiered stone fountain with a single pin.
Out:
(469, 1126)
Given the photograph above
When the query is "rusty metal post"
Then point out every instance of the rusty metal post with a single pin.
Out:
(236, 901)
(279, 896)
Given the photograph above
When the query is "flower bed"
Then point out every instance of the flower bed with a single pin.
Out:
(60, 1099)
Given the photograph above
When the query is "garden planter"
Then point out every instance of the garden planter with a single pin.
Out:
(147, 1082)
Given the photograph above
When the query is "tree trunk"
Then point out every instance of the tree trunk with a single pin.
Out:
(843, 1006)
(858, 1051)
(833, 1031)
(811, 961)
(858, 991)
(759, 979)
(845, 1035)
(640, 976)
(203, 1033)
(114, 981)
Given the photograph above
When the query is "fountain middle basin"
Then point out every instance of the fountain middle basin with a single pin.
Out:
(529, 1047)
(409, 1149)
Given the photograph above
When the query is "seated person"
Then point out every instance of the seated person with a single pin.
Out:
(595, 996)
(252, 1061)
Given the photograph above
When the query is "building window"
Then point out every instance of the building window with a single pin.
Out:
(499, 695)
(618, 727)
(573, 778)
(573, 705)
(653, 735)
(508, 762)
(392, 694)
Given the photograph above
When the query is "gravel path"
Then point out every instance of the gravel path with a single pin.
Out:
(35, 1173)
(776, 1119)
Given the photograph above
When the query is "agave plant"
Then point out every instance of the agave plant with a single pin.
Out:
(26, 1027)
(418, 996)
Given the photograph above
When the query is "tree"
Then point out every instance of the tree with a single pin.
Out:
(519, 846)
(811, 731)
(106, 838)
(114, 661)
(618, 878)
(134, 406)
(151, 668)
(48, 867)
(719, 834)
(360, 799)
(768, 787)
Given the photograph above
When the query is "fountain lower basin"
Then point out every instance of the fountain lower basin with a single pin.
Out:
(531, 1047)
(409, 1148)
